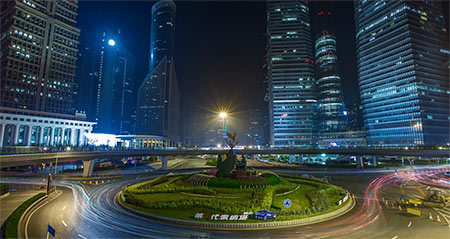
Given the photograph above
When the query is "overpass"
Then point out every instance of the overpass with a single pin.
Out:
(88, 156)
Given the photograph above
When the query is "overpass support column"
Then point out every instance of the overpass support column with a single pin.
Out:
(359, 162)
(164, 160)
(88, 168)
(374, 161)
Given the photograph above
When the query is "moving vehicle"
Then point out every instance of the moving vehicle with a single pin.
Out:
(265, 215)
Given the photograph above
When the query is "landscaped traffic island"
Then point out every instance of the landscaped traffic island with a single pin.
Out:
(230, 194)
(203, 197)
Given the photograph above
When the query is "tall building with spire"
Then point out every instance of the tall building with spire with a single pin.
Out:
(402, 52)
(291, 83)
(158, 95)
(332, 113)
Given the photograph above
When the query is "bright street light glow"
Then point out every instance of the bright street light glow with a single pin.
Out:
(223, 114)
(111, 42)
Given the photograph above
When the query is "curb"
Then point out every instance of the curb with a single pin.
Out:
(244, 226)
(23, 221)
(5, 195)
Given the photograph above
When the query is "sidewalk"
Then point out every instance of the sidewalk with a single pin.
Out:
(11, 202)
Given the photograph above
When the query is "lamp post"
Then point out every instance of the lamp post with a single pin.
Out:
(223, 115)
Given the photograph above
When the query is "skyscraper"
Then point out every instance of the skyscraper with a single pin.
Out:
(158, 95)
(39, 53)
(106, 81)
(402, 50)
(39, 43)
(332, 112)
(292, 99)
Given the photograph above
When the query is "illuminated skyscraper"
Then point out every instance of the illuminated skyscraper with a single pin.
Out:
(158, 95)
(402, 50)
(106, 82)
(39, 42)
(292, 98)
(332, 111)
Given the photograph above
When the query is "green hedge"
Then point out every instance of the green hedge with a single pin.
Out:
(197, 189)
(318, 199)
(223, 183)
(213, 204)
(13, 219)
(271, 179)
(4, 188)
(212, 162)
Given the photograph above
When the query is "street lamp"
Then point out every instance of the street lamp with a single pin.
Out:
(223, 115)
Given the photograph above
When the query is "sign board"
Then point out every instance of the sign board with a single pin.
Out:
(50, 231)
(223, 217)
(287, 203)
(413, 211)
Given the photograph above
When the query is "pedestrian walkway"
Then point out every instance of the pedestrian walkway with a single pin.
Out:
(11, 202)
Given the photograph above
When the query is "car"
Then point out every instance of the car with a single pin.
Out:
(265, 215)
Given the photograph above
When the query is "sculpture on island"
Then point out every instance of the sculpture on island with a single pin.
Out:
(226, 166)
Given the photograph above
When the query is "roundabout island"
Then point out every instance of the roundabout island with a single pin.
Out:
(230, 196)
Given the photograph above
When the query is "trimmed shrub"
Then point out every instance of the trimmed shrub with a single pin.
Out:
(223, 183)
(318, 199)
(4, 188)
(271, 179)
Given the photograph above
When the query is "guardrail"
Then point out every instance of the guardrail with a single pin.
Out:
(246, 226)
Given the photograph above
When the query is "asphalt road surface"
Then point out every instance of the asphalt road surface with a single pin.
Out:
(82, 212)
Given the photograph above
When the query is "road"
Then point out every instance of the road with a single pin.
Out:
(93, 213)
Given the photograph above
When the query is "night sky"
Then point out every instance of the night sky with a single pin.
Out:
(219, 48)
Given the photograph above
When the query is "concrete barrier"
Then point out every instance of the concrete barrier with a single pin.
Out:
(245, 226)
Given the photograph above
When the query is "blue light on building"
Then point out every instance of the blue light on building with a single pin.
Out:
(403, 74)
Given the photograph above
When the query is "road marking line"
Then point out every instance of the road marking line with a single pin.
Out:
(356, 228)
(395, 237)
(64, 208)
(322, 237)
(63, 222)
(410, 223)
(82, 236)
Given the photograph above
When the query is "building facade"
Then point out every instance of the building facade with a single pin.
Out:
(106, 81)
(29, 127)
(158, 95)
(402, 50)
(291, 83)
(39, 42)
(332, 111)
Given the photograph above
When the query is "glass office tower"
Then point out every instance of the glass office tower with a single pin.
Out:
(158, 95)
(39, 41)
(402, 50)
(292, 98)
(332, 111)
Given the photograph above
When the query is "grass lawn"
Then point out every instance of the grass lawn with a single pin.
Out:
(298, 199)
(234, 199)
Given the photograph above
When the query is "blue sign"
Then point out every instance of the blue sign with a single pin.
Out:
(395, 170)
(287, 203)
(51, 230)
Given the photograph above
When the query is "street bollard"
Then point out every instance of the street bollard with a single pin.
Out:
(386, 202)
(399, 207)
(430, 217)
(438, 218)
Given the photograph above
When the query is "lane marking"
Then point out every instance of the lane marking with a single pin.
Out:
(64, 208)
(410, 223)
(395, 237)
(82, 236)
(322, 237)
(356, 228)
(63, 222)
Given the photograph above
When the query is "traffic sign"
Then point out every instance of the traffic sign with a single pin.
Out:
(50, 230)
(287, 203)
